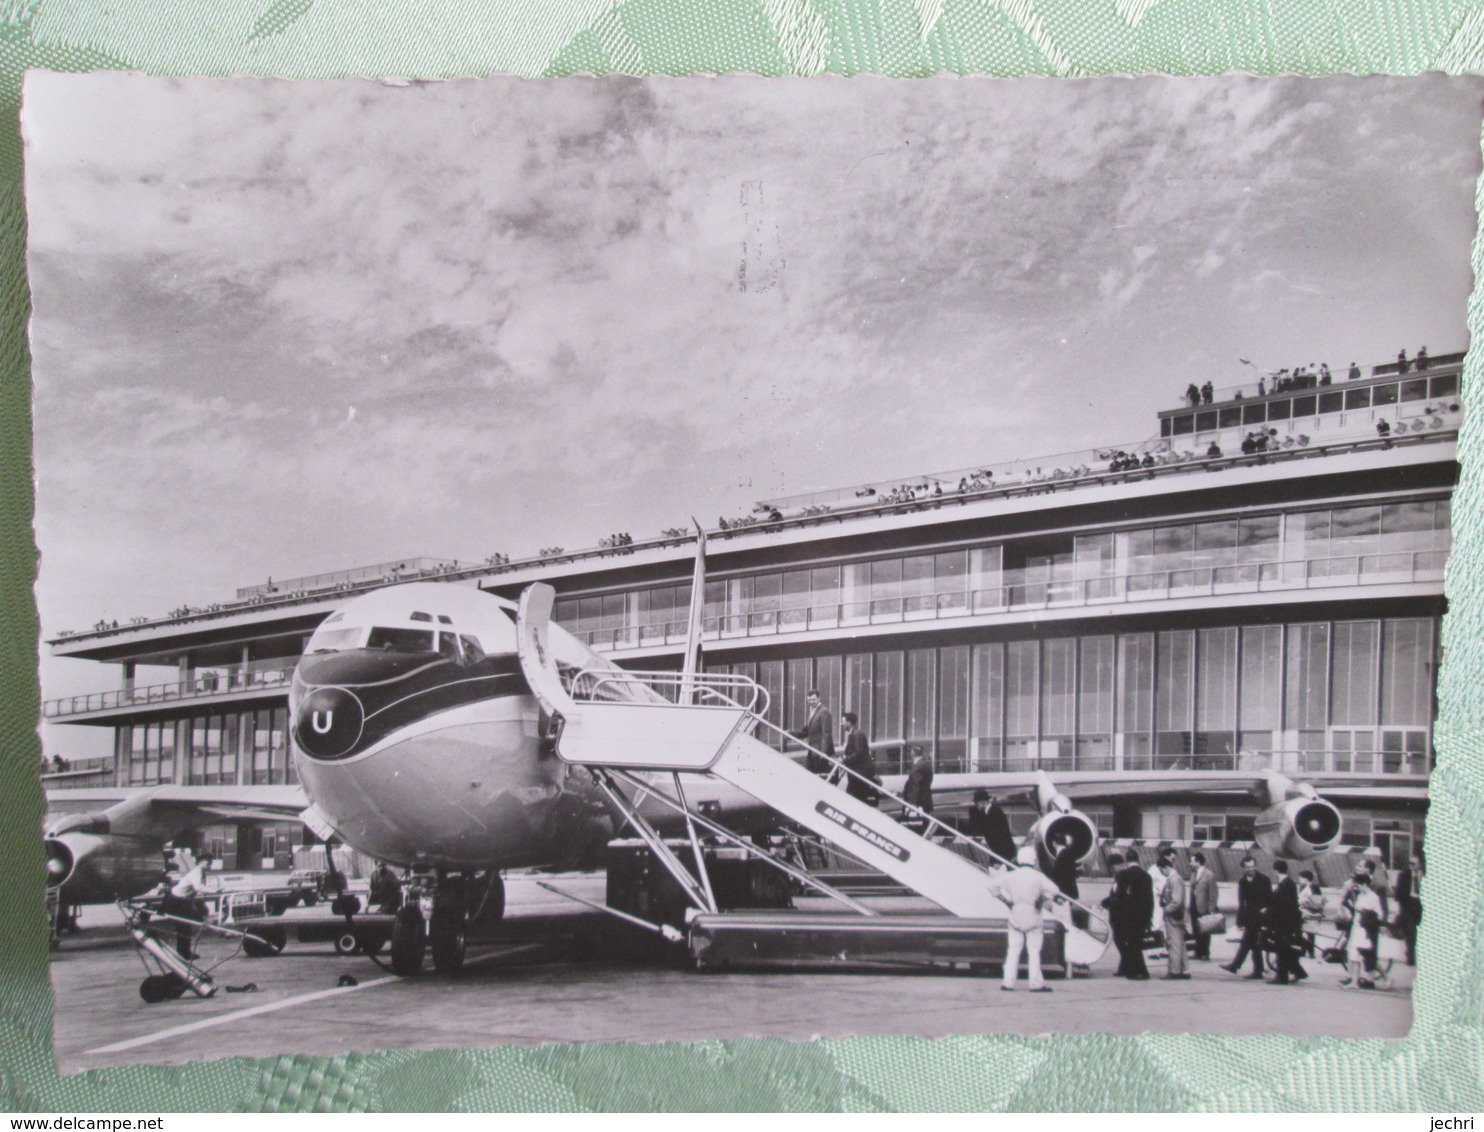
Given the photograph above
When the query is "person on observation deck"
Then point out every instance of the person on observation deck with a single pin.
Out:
(819, 733)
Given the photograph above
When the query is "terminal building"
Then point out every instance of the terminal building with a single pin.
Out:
(1257, 585)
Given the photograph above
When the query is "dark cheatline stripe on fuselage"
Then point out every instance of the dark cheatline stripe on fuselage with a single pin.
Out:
(346, 702)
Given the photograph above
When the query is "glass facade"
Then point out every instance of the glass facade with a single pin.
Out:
(1300, 549)
(1346, 696)
(249, 747)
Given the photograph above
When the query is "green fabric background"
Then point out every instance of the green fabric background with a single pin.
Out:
(1439, 1068)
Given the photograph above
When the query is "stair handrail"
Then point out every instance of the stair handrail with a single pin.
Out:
(953, 834)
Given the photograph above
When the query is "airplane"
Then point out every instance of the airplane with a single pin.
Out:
(423, 738)
(117, 851)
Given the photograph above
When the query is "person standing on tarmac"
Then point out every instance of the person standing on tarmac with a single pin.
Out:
(1202, 903)
(385, 894)
(1130, 912)
(182, 900)
(818, 733)
(1028, 892)
(1286, 926)
(1254, 894)
(1173, 899)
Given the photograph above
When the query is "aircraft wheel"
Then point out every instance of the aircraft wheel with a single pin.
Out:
(409, 941)
(263, 942)
(373, 942)
(311, 899)
(448, 932)
(346, 943)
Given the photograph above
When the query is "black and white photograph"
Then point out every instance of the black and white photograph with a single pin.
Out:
(648, 560)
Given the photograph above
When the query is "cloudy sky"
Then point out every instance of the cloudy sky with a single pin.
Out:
(281, 328)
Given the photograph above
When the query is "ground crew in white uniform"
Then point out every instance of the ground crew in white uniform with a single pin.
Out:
(1028, 892)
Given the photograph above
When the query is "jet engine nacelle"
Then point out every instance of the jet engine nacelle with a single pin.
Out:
(90, 868)
(64, 853)
(1298, 828)
(1053, 827)
(1060, 822)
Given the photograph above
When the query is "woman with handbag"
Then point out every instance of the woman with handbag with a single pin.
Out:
(1364, 931)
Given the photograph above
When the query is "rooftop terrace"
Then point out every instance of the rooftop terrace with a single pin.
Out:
(1063, 477)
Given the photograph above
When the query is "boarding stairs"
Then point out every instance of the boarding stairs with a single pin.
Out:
(618, 725)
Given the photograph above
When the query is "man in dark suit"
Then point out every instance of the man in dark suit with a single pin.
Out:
(987, 821)
(1254, 894)
(1286, 926)
(1408, 893)
(917, 791)
(1130, 912)
(819, 733)
(1202, 903)
(1063, 874)
(857, 757)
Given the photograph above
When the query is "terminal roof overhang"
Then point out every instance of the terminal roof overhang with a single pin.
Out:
(217, 637)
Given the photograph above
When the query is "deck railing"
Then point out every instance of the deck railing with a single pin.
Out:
(818, 508)
(1020, 590)
(205, 685)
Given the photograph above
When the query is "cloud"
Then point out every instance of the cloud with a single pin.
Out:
(357, 322)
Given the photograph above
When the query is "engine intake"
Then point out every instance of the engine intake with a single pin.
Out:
(61, 862)
(1055, 827)
(1299, 828)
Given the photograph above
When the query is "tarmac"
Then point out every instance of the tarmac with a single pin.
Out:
(555, 973)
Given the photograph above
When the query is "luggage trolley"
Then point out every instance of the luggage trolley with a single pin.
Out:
(170, 974)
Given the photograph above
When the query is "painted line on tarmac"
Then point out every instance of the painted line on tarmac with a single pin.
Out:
(223, 1019)
(270, 1007)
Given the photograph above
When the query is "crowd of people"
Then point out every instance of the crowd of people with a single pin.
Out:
(617, 541)
(1281, 918)
(1297, 378)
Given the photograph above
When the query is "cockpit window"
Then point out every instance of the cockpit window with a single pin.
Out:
(448, 647)
(336, 640)
(400, 640)
(472, 652)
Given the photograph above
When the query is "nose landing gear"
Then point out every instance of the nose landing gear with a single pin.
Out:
(458, 901)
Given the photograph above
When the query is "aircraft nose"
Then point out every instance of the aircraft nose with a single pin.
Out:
(328, 723)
